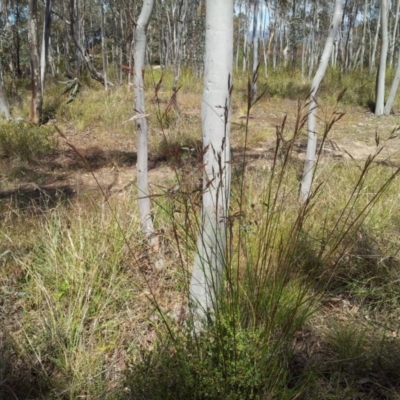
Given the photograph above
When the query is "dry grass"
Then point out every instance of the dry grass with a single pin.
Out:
(82, 302)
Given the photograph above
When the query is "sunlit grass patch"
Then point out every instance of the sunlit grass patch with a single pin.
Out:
(83, 298)
(26, 142)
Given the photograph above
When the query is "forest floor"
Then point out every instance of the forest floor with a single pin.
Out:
(100, 159)
(90, 159)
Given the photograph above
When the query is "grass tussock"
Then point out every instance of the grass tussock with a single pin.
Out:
(26, 142)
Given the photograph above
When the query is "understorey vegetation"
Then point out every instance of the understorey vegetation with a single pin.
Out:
(309, 306)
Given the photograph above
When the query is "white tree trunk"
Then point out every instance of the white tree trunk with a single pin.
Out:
(308, 171)
(394, 34)
(209, 260)
(393, 89)
(45, 43)
(141, 122)
(255, 50)
(380, 85)
(4, 111)
(103, 47)
(182, 11)
(373, 55)
(35, 114)
(364, 34)
(312, 41)
(3, 104)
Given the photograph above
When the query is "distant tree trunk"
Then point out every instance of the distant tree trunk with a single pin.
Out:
(103, 46)
(35, 114)
(312, 40)
(255, 49)
(45, 43)
(210, 258)
(66, 39)
(364, 34)
(141, 122)
(4, 111)
(80, 49)
(375, 45)
(183, 4)
(381, 75)
(308, 171)
(3, 104)
(393, 39)
(393, 89)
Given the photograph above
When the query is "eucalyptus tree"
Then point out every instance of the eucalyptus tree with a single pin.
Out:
(4, 111)
(394, 33)
(255, 41)
(308, 171)
(393, 89)
(144, 201)
(314, 27)
(372, 56)
(103, 45)
(3, 103)
(364, 34)
(181, 19)
(381, 75)
(45, 42)
(80, 50)
(210, 258)
(35, 114)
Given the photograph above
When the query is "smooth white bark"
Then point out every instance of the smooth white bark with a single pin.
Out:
(3, 104)
(103, 46)
(308, 171)
(364, 34)
(141, 121)
(393, 39)
(380, 85)
(35, 114)
(209, 260)
(182, 11)
(393, 89)
(45, 43)
(373, 54)
(4, 111)
(255, 50)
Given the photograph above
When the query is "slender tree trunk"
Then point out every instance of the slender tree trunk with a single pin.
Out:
(80, 50)
(393, 41)
(141, 122)
(103, 46)
(208, 270)
(178, 50)
(3, 104)
(364, 34)
(393, 89)
(245, 47)
(4, 111)
(255, 49)
(381, 76)
(373, 54)
(66, 39)
(312, 41)
(35, 114)
(308, 171)
(45, 43)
